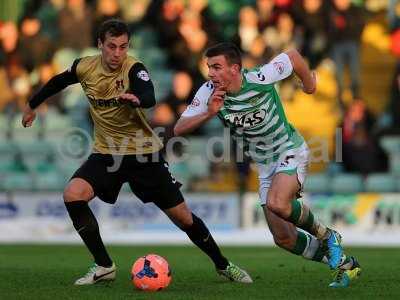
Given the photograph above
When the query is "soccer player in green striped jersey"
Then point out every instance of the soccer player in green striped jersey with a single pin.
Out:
(248, 104)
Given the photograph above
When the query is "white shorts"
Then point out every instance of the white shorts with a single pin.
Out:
(292, 161)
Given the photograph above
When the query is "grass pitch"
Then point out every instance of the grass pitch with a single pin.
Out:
(48, 272)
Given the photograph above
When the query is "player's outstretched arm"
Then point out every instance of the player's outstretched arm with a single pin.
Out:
(53, 86)
(187, 124)
(302, 70)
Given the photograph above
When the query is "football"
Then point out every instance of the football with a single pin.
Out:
(151, 273)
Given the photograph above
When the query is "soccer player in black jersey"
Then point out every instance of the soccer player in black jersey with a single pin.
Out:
(126, 149)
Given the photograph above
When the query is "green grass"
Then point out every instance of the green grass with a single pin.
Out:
(47, 272)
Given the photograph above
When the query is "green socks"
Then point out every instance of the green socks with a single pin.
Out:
(302, 217)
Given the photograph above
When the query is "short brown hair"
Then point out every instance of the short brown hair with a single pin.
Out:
(229, 50)
(114, 27)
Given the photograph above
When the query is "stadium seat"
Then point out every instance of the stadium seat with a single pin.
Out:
(7, 149)
(3, 125)
(36, 153)
(125, 188)
(17, 181)
(347, 183)
(12, 165)
(63, 58)
(180, 170)
(317, 183)
(380, 183)
(391, 144)
(198, 166)
(394, 163)
(56, 121)
(68, 167)
(50, 181)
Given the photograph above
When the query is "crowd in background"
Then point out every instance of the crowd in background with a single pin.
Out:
(170, 36)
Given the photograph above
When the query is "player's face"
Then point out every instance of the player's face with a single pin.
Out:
(221, 72)
(114, 50)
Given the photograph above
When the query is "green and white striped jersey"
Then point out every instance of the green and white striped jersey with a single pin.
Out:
(255, 114)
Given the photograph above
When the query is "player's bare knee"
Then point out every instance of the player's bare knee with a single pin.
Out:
(186, 222)
(77, 192)
(279, 206)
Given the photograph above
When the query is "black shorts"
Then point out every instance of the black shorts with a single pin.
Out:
(150, 181)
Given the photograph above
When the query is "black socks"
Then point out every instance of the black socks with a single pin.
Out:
(86, 225)
(202, 238)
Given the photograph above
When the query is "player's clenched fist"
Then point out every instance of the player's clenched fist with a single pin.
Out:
(216, 101)
(28, 116)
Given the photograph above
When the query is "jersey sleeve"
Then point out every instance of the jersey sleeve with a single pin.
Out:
(141, 85)
(277, 69)
(55, 85)
(200, 101)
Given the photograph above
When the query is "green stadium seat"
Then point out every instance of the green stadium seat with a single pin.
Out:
(317, 183)
(64, 57)
(126, 188)
(68, 167)
(394, 163)
(8, 149)
(17, 182)
(198, 166)
(144, 38)
(36, 147)
(347, 183)
(3, 124)
(56, 121)
(380, 183)
(391, 144)
(180, 170)
(37, 154)
(12, 165)
(50, 181)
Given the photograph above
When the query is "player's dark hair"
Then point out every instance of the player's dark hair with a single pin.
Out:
(113, 27)
(229, 50)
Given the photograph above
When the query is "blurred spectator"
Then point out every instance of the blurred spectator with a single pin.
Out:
(362, 154)
(20, 85)
(48, 16)
(6, 95)
(46, 72)
(105, 9)
(248, 27)
(181, 94)
(282, 36)
(8, 36)
(357, 113)
(257, 55)
(394, 14)
(267, 14)
(286, 31)
(133, 12)
(311, 14)
(167, 21)
(33, 47)
(190, 28)
(164, 117)
(345, 25)
(75, 17)
(361, 150)
(393, 109)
